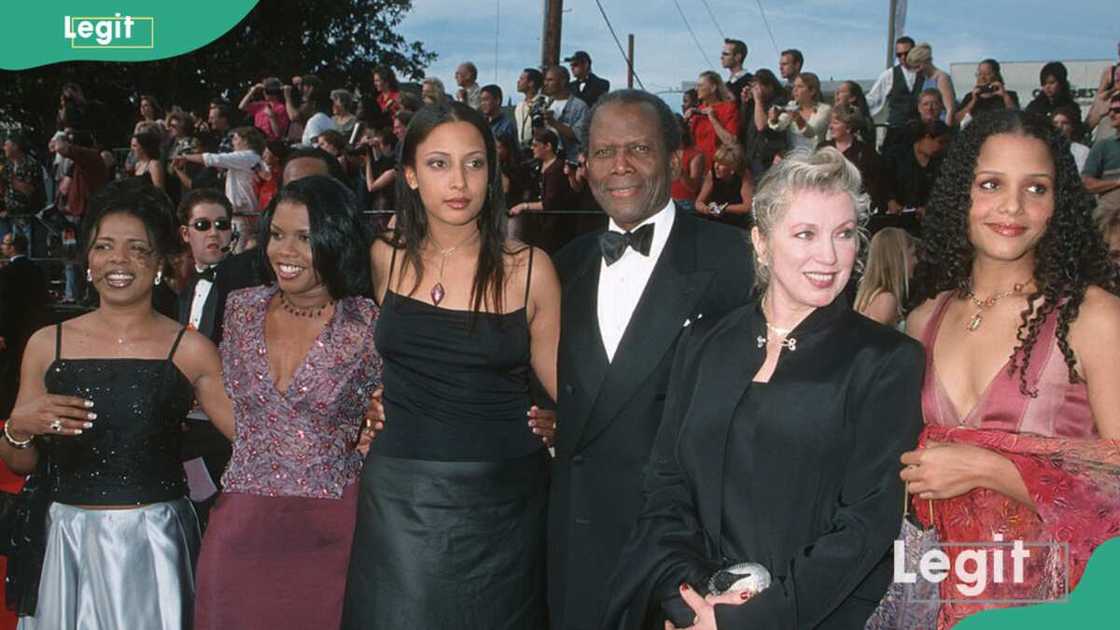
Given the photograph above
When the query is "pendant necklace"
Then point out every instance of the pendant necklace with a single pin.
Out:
(438, 292)
(983, 305)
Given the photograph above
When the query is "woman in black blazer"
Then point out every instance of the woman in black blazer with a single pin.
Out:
(782, 433)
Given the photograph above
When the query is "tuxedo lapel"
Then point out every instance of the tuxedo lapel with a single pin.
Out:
(669, 299)
(582, 350)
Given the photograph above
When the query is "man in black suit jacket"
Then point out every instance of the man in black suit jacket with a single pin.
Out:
(206, 216)
(23, 301)
(585, 84)
(627, 295)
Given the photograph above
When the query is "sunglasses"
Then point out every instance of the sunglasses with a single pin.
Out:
(203, 225)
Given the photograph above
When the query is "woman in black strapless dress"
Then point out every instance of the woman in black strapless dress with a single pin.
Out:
(99, 416)
(451, 514)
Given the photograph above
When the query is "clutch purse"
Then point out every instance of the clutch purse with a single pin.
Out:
(746, 576)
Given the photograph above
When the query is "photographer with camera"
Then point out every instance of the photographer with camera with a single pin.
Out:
(269, 113)
(565, 114)
(529, 84)
(989, 94)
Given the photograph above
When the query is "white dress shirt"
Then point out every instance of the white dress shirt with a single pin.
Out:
(198, 300)
(621, 285)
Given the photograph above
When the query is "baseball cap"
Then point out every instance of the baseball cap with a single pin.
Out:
(580, 56)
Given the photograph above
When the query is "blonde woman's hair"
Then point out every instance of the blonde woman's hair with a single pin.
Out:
(825, 170)
(887, 267)
(919, 54)
(730, 155)
(721, 87)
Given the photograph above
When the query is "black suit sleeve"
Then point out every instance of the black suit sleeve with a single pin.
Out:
(886, 417)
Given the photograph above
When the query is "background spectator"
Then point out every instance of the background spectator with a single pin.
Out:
(466, 77)
(921, 58)
(431, 90)
(269, 114)
(342, 112)
(885, 285)
(715, 121)
(1067, 118)
(805, 119)
(790, 63)
(844, 125)
(850, 94)
(490, 105)
(693, 164)
(388, 91)
(567, 116)
(727, 191)
(989, 94)
(585, 83)
(1054, 91)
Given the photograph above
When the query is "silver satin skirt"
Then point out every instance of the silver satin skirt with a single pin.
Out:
(118, 569)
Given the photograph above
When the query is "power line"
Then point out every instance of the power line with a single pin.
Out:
(774, 42)
(714, 20)
(693, 34)
(629, 62)
(497, 34)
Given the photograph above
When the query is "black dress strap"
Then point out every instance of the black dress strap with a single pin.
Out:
(58, 341)
(392, 265)
(529, 276)
(175, 345)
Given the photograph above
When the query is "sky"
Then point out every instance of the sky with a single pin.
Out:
(840, 40)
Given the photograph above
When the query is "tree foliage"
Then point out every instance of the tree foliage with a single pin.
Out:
(338, 40)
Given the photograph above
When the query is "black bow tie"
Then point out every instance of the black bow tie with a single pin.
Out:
(614, 244)
(205, 274)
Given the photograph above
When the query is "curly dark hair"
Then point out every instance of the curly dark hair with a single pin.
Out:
(1070, 256)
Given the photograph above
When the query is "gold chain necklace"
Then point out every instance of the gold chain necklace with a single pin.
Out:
(985, 304)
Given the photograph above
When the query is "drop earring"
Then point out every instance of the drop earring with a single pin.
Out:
(159, 276)
(89, 276)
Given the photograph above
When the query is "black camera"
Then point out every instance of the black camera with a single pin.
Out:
(987, 89)
(536, 111)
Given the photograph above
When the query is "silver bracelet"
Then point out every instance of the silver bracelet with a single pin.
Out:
(16, 444)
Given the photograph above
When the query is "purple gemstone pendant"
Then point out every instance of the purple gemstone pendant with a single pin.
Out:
(438, 293)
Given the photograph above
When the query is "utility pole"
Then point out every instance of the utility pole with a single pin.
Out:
(892, 9)
(550, 37)
(630, 62)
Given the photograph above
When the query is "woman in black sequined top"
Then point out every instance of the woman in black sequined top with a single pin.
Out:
(99, 414)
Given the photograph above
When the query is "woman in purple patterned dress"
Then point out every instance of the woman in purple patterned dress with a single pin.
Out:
(300, 365)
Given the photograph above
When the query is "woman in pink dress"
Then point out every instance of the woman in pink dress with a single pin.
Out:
(1022, 386)
(300, 366)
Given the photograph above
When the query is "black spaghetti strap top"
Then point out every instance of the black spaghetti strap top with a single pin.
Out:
(131, 456)
(456, 382)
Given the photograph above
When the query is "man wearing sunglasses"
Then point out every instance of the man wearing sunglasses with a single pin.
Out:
(206, 217)
(898, 89)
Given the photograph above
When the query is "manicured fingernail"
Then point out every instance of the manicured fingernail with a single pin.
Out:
(91, 416)
(77, 431)
(684, 586)
(745, 595)
(88, 425)
(88, 404)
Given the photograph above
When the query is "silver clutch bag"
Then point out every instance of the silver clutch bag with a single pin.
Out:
(746, 576)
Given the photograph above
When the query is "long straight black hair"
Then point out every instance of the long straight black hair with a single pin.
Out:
(412, 218)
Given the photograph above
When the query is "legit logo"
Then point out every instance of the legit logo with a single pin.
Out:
(110, 32)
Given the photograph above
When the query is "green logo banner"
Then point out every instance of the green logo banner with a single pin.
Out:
(41, 33)
(1090, 605)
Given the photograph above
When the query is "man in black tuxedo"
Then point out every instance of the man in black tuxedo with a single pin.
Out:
(628, 292)
(585, 84)
(23, 302)
(206, 215)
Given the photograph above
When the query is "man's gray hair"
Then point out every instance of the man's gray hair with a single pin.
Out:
(825, 170)
(670, 130)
